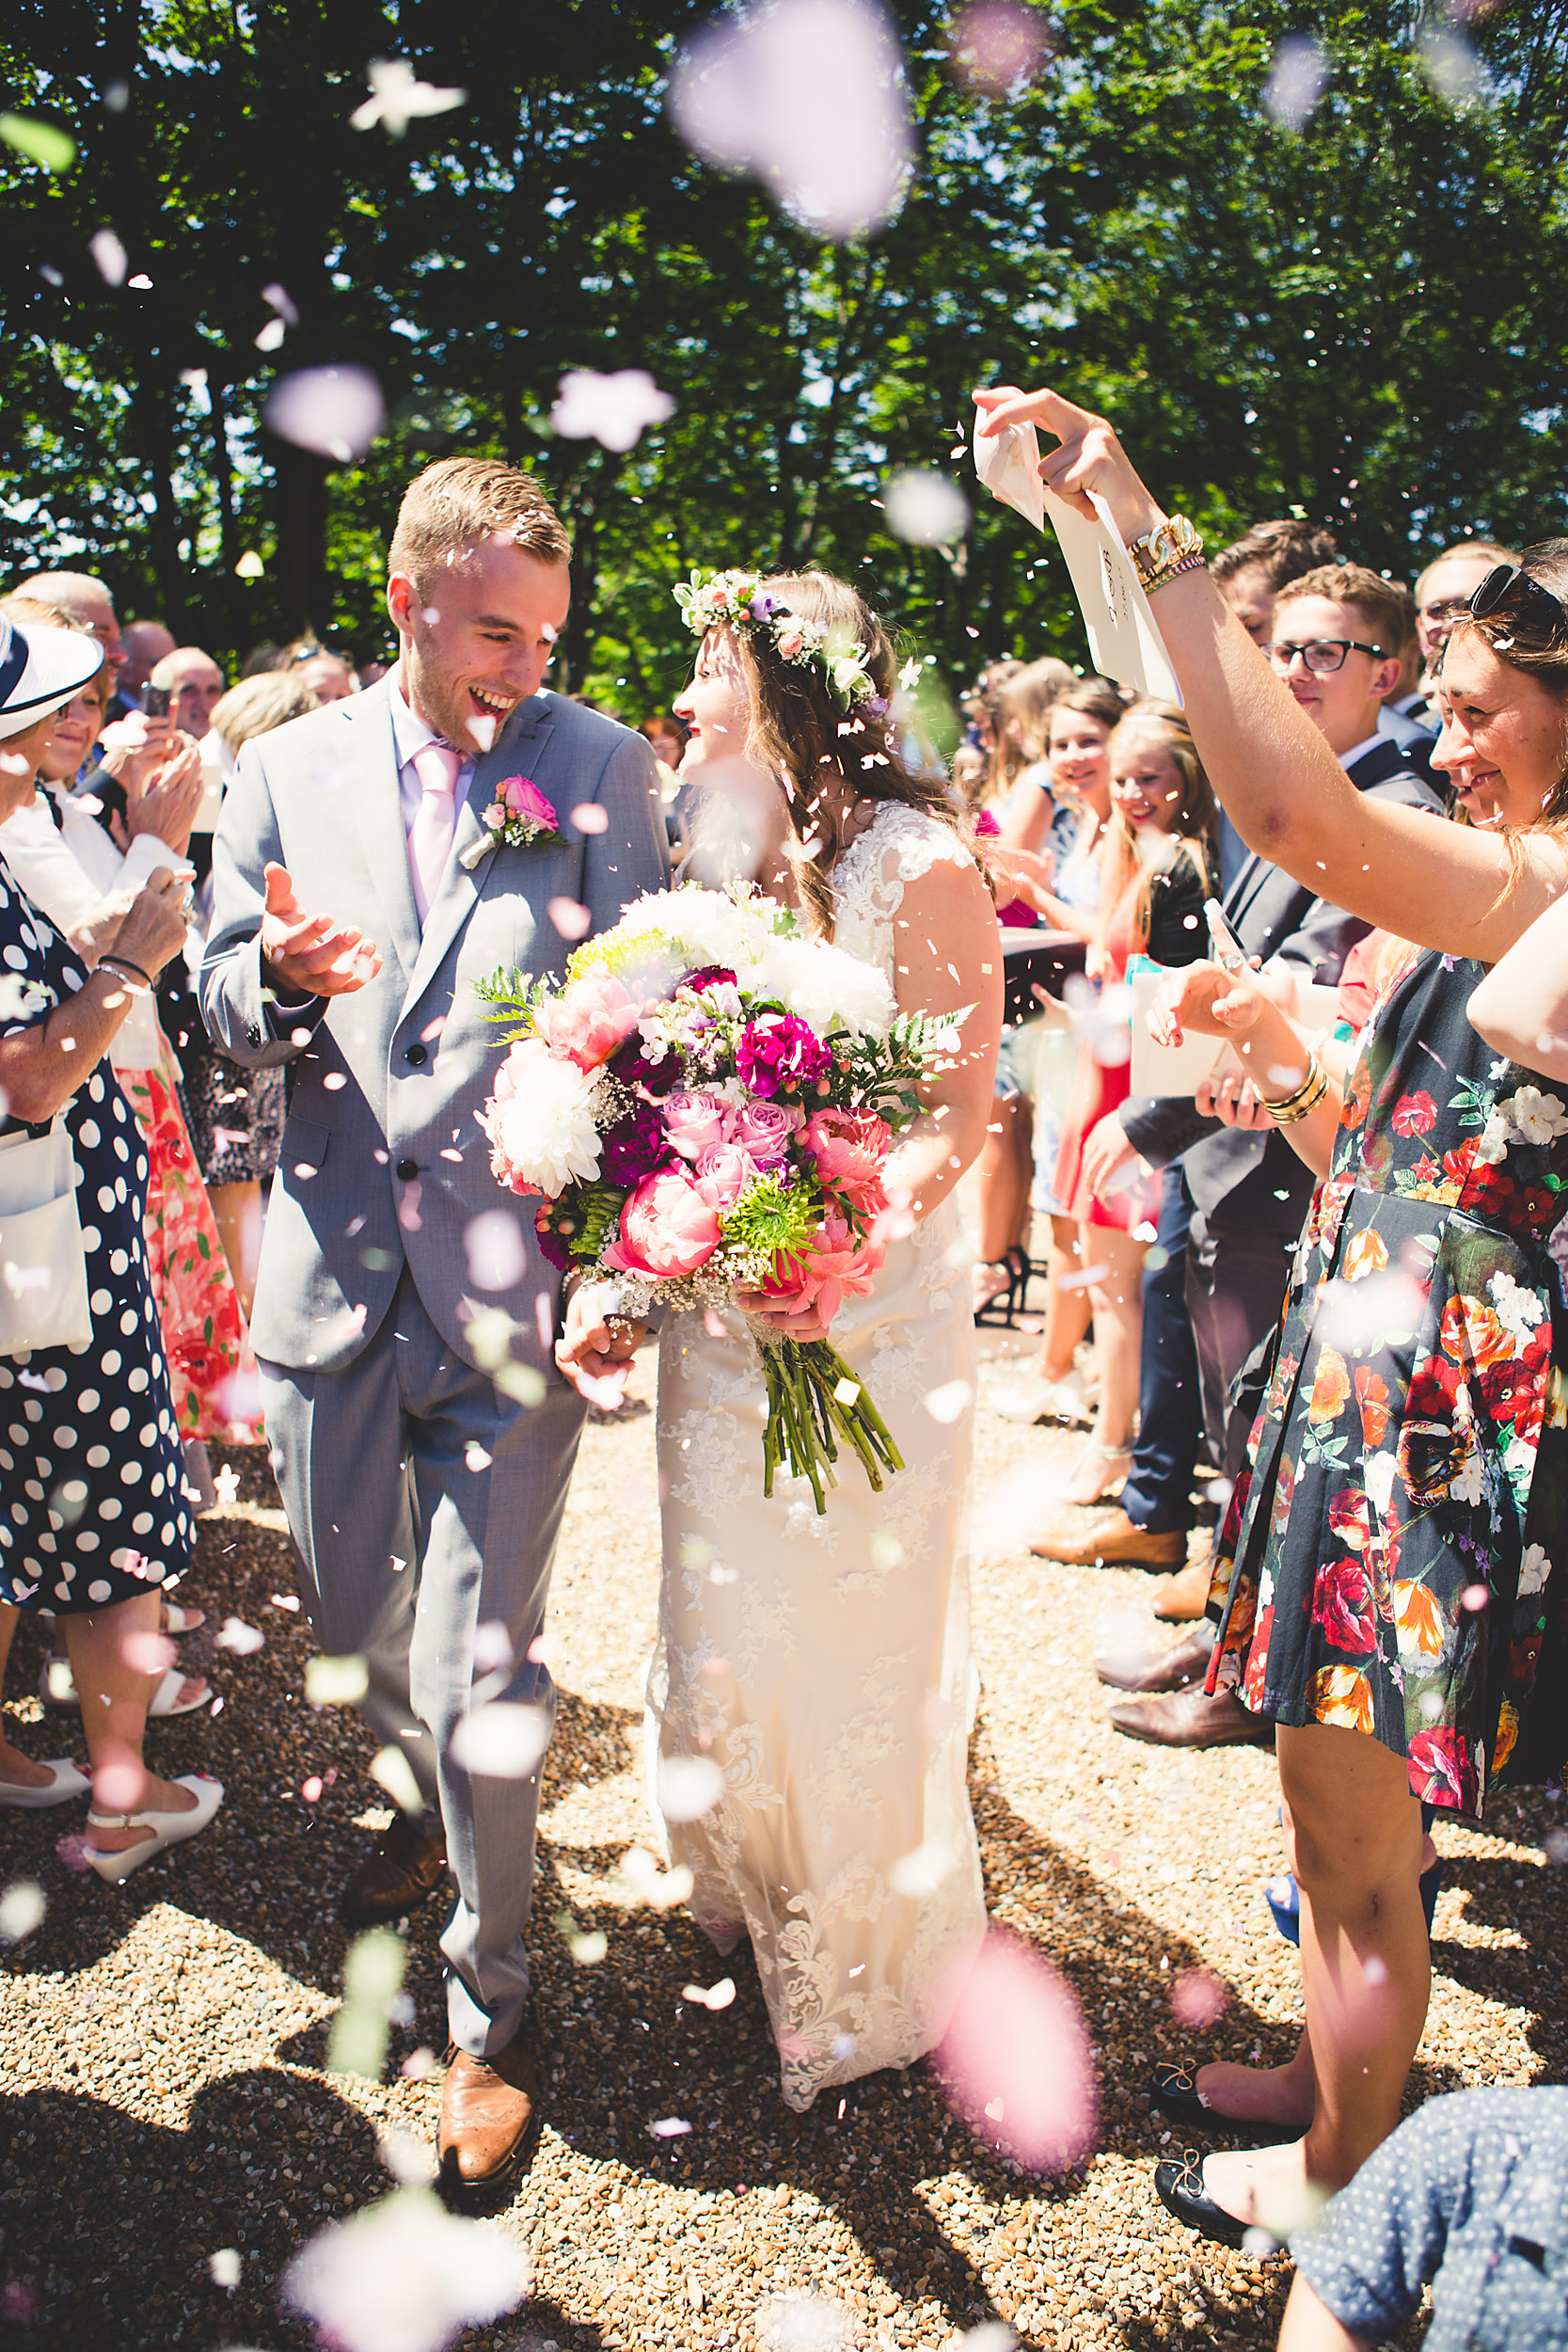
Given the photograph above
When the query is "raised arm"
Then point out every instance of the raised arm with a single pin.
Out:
(1445, 886)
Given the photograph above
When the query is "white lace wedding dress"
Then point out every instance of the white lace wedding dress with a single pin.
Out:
(823, 1663)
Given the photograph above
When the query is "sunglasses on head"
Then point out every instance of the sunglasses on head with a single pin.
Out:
(1509, 587)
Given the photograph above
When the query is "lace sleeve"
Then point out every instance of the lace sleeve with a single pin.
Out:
(903, 844)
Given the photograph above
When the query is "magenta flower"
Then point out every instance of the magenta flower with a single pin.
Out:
(780, 1054)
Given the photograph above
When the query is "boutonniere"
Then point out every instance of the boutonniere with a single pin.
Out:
(519, 818)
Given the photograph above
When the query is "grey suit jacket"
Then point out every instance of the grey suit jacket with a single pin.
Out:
(1256, 1179)
(383, 1162)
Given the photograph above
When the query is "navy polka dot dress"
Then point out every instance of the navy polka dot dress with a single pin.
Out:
(91, 1509)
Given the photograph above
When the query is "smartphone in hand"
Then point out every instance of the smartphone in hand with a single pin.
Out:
(155, 701)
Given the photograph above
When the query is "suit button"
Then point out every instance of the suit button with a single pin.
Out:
(408, 1170)
(418, 1054)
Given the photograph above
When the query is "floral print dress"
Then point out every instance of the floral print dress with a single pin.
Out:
(1394, 1558)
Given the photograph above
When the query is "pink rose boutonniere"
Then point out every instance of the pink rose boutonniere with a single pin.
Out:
(519, 818)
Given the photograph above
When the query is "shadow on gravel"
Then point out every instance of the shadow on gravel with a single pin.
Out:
(622, 2050)
(109, 2224)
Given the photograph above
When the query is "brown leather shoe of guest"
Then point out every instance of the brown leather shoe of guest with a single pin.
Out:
(1117, 1544)
(401, 1870)
(1190, 1719)
(489, 2114)
(1186, 1596)
(1170, 1668)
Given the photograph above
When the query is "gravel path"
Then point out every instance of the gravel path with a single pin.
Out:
(161, 2045)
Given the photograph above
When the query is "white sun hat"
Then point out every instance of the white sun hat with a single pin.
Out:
(40, 669)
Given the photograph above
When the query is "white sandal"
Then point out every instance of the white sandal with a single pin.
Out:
(163, 1829)
(57, 1689)
(1110, 1476)
(67, 1782)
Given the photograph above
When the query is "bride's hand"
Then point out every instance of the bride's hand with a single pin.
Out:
(595, 1352)
(1090, 456)
(1210, 1000)
(805, 1323)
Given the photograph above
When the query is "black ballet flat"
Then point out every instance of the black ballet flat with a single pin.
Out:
(1172, 2091)
(1179, 2185)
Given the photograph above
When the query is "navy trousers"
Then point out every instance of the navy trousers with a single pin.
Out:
(1157, 1495)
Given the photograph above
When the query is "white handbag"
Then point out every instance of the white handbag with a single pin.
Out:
(43, 1259)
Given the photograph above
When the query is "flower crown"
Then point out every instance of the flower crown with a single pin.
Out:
(738, 602)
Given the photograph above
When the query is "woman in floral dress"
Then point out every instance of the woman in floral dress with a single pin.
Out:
(1392, 1584)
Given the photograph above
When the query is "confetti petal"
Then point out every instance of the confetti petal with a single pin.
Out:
(337, 412)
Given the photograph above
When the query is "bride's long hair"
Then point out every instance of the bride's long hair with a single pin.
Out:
(798, 734)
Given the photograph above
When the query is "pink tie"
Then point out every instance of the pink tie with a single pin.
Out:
(435, 821)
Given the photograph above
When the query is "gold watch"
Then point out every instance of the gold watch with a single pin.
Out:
(1170, 546)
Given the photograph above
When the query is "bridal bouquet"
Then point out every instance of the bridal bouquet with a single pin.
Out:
(706, 1103)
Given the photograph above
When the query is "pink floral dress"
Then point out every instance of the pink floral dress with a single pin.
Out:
(1394, 1558)
(211, 1371)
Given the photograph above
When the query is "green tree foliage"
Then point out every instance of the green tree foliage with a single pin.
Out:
(1362, 318)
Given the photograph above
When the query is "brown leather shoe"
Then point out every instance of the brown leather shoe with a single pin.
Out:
(1190, 1719)
(1170, 1668)
(490, 2113)
(401, 1870)
(1186, 1596)
(1117, 1544)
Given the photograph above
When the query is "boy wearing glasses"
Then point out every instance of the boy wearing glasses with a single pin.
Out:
(1336, 642)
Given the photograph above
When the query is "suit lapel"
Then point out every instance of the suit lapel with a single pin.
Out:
(460, 887)
(379, 809)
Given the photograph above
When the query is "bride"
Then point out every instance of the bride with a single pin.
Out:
(822, 1664)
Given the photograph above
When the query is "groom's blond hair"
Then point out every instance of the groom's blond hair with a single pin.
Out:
(454, 506)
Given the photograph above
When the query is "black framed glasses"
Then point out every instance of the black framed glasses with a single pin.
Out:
(1507, 589)
(1322, 655)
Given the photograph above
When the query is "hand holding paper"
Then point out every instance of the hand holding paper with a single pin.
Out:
(1122, 634)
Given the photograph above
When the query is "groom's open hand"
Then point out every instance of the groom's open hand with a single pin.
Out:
(309, 955)
(596, 1349)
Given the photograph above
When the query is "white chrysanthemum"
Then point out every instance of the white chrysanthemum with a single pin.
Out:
(825, 987)
(548, 1133)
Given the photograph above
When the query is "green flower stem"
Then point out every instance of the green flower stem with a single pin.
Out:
(806, 1420)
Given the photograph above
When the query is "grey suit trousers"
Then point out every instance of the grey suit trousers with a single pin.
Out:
(407, 1550)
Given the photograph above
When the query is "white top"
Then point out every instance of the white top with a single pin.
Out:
(68, 873)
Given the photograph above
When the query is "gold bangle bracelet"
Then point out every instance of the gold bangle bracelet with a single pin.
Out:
(1305, 1099)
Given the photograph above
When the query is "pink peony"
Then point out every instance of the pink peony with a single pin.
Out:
(836, 1267)
(587, 1024)
(523, 798)
(723, 1172)
(667, 1228)
(849, 1149)
(694, 1122)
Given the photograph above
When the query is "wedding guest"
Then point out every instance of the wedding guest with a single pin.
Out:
(1079, 726)
(330, 678)
(1443, 591)
(198, 1312)
(831, 1694)
(1249, 574)
(120, 1528)
(236, 1115)
(1465, 2199)
(89, 602)
(145, 643)
(195, 683)
(1406, 1433)
(1155, 865)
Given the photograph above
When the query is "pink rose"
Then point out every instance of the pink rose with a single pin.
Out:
(693, 1122)
(790, 645)
(764, 1129)
(723, 1172)
(587, 1023)
(525, 799)
(667, 1228)
(494, 816)
(849, 1149)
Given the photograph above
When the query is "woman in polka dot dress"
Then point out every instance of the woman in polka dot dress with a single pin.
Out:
(93, 1521)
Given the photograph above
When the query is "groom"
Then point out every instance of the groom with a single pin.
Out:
(358, 899)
